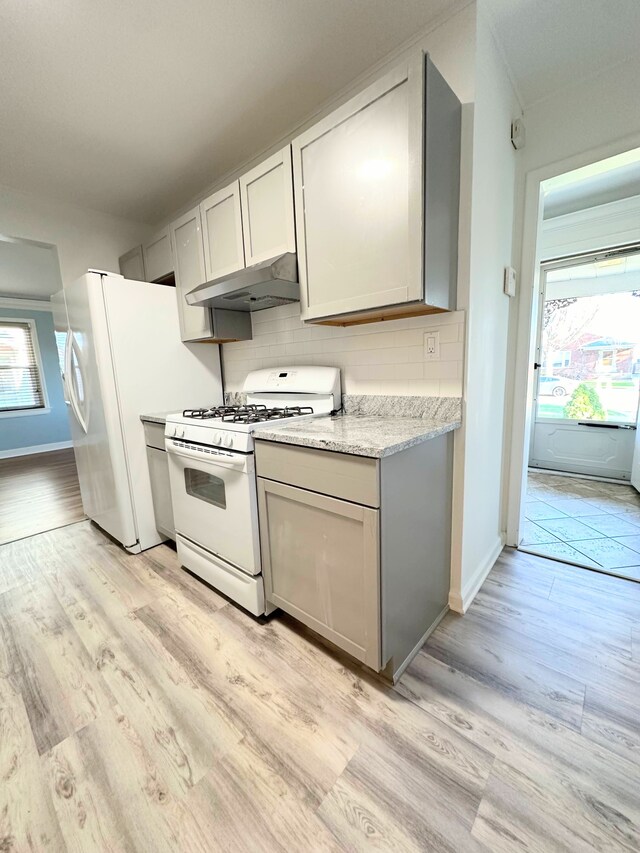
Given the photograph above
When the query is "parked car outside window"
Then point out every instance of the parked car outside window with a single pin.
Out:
(556, 386)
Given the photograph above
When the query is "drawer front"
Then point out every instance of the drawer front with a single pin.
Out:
(320, 559)
(352, 478)
(154, 435)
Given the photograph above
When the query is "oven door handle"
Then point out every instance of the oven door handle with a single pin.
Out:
(238, 462)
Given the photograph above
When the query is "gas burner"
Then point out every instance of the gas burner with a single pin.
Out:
(222, 412)
(260, 414)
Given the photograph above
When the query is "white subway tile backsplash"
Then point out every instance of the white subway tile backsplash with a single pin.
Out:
(450, 352)
(376, 358)
(448, 334)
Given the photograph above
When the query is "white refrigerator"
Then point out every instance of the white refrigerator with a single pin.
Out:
(124, 358)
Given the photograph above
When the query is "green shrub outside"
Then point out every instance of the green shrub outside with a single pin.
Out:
(585, 404)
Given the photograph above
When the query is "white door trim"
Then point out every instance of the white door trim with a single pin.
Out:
(522, 378)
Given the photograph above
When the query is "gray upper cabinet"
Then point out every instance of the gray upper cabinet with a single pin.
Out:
(158, 260)
(188, 256)
(222, 232)
(365, 204)
(249, 221)
(132, 264)
(266, 196)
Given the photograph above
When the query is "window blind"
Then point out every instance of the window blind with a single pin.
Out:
(20, 380)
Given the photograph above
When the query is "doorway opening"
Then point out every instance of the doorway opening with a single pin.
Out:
(581, 501)
(39, 488)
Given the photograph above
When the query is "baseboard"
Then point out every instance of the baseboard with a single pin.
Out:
(36, 448)
(460, 601)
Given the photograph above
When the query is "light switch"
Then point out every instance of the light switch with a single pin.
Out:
(510, 281)
(431, 346)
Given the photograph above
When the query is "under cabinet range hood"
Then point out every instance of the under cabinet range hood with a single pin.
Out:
(264, 285)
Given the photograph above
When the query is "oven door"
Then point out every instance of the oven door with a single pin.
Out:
(214, 501)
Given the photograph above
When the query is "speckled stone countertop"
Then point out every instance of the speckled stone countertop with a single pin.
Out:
(359, 435)
(157, 418)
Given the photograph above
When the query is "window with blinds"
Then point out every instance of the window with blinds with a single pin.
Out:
(20, 378)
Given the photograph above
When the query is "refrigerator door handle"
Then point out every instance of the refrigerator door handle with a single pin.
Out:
(63, 372)
(68, 375)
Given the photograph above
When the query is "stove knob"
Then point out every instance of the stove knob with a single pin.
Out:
(181, 432)
(217, 438)
(175, 431)
(228, 441)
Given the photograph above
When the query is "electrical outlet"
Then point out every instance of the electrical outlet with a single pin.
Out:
(431, 346)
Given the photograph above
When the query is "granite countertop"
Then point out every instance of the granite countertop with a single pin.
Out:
(157, 418)
(375, 436)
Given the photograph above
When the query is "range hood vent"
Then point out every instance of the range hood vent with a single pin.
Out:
(264, 285)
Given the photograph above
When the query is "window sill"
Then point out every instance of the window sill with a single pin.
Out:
(21, 413)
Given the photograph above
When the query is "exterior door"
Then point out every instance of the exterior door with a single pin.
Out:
(635, 466)
(588, 375)
(188, 260)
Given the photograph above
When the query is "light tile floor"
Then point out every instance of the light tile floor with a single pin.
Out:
(585, 522)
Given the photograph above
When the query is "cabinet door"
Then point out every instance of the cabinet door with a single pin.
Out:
(158, 262)
(132, 265)
(222, 232)
(320, 560)
(188, 260)
(358, 199)
(266, 195)
(161, 491)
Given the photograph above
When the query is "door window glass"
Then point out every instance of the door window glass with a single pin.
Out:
(590, 342)
(206, 487)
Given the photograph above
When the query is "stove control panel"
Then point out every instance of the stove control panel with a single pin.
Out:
(205, 433)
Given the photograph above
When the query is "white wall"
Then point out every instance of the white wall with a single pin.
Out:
(451, 46)
(477, 530)
(375, 358)
(28, 270)
(84, 238)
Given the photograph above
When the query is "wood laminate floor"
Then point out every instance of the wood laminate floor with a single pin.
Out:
(37, 493)
(139, 711)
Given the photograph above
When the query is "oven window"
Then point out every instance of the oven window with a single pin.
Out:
(205, 486)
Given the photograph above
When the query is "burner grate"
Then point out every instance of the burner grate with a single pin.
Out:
(222, 412)
(248, 414)
(260, 414)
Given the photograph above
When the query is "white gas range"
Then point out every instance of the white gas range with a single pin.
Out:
(212, 474)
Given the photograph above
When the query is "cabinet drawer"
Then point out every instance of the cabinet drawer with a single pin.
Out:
(352, 478)
(154, 435)
(320, 560)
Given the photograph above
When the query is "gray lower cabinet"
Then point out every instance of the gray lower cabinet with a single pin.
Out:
(358, 548)
(321, 565)
(159, 476)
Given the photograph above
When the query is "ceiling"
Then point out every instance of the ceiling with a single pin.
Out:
(132, 108)
(607, 180)
(28, 270)
(551, 44)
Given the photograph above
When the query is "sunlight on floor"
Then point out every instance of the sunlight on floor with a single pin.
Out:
(585, 522)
